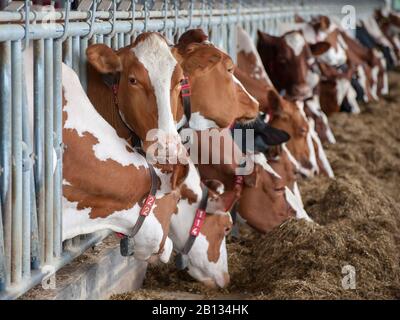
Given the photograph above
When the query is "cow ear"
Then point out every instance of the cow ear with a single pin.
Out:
(266, 38)
(320, 48)
(251, 180)
(103, 59)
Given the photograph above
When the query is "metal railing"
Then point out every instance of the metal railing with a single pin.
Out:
(30, 186)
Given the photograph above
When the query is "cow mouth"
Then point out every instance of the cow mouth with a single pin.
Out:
(247, 120)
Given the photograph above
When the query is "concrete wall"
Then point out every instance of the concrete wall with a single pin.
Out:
(97, 274)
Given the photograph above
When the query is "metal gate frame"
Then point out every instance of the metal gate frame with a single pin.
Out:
(30, 192)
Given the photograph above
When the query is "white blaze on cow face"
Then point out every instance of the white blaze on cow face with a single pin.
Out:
(261, 160)
(374, 89)
(156, 57)
(296, 205)
(352, 99)
(362, 78)
(199, 267)
(236, 81)
(295, 41)
(334, 56)
(313, 157)
(315, 108)
(321, 152)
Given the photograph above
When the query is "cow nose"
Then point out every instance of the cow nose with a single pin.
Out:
(226, 280)
(170, 147)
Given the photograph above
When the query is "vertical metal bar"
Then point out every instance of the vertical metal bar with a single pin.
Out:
(114, 42)
(68, 52)
(121, 40)
(26, 172)
(17, 182)
(107, 41)
(75, 54)
(2, 254)
(35, 244)
(5, 150)
(82, 62)
(38, 103)
(48, 150)
(57, 113)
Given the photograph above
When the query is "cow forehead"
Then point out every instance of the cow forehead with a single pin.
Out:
(295, 41)
(155, 55)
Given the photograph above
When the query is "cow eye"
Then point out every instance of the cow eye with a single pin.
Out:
(230, 70)
(227, 230)
(303, 131)
(132, 80)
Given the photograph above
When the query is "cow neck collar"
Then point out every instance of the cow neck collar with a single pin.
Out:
(182, 259)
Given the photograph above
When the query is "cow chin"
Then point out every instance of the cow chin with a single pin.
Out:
(247, 121)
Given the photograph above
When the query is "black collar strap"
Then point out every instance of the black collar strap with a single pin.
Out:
(126, 245)
(182, 259)
(185, 94)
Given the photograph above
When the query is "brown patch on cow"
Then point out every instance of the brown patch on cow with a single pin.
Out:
(213, 229)
(163, 211)
(188, 194)
(105, 186)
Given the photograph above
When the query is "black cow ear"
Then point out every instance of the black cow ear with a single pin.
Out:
(273, 136)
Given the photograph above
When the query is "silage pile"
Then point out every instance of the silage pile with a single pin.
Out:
(358, 220)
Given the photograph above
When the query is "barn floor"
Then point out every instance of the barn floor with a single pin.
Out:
(358, 224)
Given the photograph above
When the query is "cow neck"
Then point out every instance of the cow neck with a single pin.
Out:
(182, 257)
(112, 81)
(238, 185)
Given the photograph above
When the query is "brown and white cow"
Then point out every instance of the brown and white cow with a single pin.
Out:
(283, 114)
(104, 180)
(207, 259)
(217, 98)
(141, 82)
(264, 199)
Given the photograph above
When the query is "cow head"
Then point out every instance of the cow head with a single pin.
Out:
(264, 205)
(146, 80)
(289, 52)
(290, 117)
(217, 97)
(336, 90)
(207, 258)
